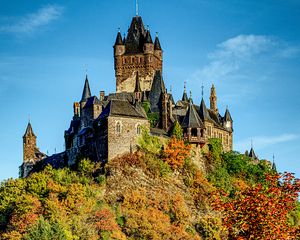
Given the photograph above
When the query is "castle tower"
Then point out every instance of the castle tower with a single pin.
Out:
(29, 145)
(136, 52)
(213, 99)
(138, 91)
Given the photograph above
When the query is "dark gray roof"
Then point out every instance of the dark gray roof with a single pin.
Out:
(227, 116)
(92, 101)
(203, 112)
(192, 119)
(148, 38)
(121, 96)
(137, 83)
(215, 117)
(86, 90)
(120, 108)
(136, 36)
(119, 40)
(29, 131)
(185, 97)
(252, 154)
(157, 89)
(157, 45)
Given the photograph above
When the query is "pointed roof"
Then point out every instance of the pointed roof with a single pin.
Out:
(29, 131)
(227, 116)
(274, 168)
(157, 89)
(148, 38)
(157, 45)
(119, 40)
(192, 119)
(86, 90)
(137, 83)
(136, 36)
(252, 154)
(203, 112)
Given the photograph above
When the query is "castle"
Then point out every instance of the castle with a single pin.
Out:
(106, 126)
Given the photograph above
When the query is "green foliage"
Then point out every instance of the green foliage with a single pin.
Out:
(177, 131)
(153, 117)
(86, 167)
(148, 143)
(210, 227)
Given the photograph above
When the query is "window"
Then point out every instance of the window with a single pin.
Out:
(202, 132)
(194, 132)
(227, 139)
(118, 128)
(209, 131)
(221, 137)
(138, 129)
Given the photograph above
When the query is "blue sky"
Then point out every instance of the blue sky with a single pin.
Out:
(249, 49)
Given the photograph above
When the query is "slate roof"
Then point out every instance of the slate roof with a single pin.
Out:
(119, 40)
(157, 89)
(203, 112)
(192, 119)
(227, 116)
(185, 97)
(92, 101)
(252, 154)
(120, 108)
(29, 131)
(121, 96)
(157, 45)
(148, 38)
(136, 36)
(86, 90)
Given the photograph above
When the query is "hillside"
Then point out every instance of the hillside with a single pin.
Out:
(166, 190)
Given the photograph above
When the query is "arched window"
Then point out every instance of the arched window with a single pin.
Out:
(118, 128)
(138, 129)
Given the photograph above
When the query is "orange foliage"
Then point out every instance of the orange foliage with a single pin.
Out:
(260, 212)
(105, 220)
(176, 152)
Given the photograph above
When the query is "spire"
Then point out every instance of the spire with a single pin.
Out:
(273, 164)
(136, 7)
(227, 116)
(191, 98)
(157, 90)
(136, 36)
(252, 153)
(203, 112)
(124, 38)
(202, 92)
(29, 131)
(86, 90)
(184, 96)
(213, 99)
(157, 45)
(148, 38)
(119, 40)
(137, 83)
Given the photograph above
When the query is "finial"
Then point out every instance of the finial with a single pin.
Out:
(226, 107)
(202, 90)
(156, 34)
(148, 28)
(185, 86)
(119, 29)
(170, 88)
(28, 118)
(251, 143)
(136, 7)
(85, 69)
(273, 158)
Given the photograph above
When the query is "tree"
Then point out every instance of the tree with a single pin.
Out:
(175, 153)
(261, 211)
(177, 131)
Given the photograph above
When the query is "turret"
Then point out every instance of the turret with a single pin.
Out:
(213, 99)
(29, 145)
(157, 48)
(137, 91)
(148, 45)
(227, 120)
(119, 47)
(86, 93)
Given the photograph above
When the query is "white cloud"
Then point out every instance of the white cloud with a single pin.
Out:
(261, 142)
(31, 22)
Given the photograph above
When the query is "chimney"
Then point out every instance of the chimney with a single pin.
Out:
(102, 95)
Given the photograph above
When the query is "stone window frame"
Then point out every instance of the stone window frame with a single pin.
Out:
(138, 128)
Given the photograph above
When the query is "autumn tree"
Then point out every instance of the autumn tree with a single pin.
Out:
(175, 153)
(261, 211)
(177, 131)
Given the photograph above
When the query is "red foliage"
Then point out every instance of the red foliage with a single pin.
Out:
(260, 212)
(105, 221)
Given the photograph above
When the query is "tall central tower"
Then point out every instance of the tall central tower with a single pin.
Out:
(136, 53)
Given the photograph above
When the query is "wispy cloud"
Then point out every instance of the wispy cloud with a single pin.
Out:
(261, 142)
(32, 22)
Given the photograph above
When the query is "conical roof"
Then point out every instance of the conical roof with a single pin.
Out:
(119, 40)
(157, 45)
(185, 97)
(203, 112)
(29, 131)
(148, 38)
(86, 90)
(192, 119)
(227, 116)
(157, 89)
(252, 154)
